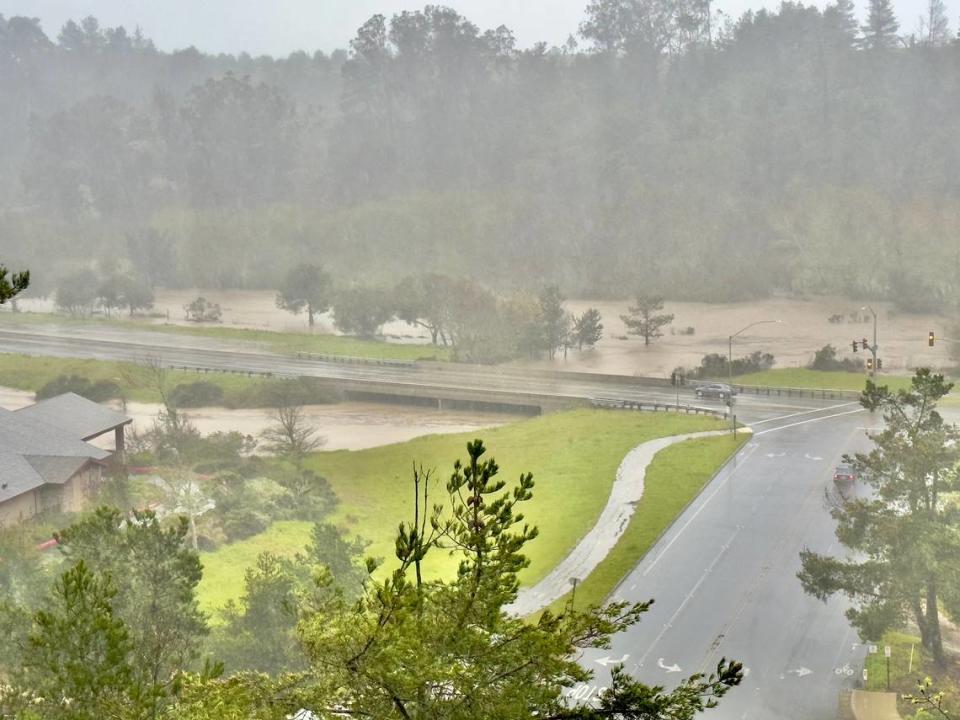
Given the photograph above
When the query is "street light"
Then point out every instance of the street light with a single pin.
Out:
(873, 349)
(730, 345)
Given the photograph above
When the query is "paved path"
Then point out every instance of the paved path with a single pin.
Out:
(874, 705)
(596, 545)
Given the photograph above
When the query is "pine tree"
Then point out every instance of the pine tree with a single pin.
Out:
(904, 538)
(880, 30)
(841, 17)
(644, 321)
(17, 283)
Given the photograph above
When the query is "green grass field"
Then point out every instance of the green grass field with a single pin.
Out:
(675, 477)
(573, 456)
(816, 379)
(25, 372)
(909, 662)
(286, 343)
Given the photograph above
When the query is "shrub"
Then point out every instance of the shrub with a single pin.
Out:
(196, 394)
(271, 393)
(202, 310)
(825, 359)
(99, 391)
(716, 365)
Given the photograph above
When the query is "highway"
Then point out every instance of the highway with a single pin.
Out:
(106, 343)
(724, 575)
(724, 580)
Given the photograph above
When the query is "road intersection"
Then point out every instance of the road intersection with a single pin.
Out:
(723, 576)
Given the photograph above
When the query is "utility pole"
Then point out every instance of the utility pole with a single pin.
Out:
(873, 348)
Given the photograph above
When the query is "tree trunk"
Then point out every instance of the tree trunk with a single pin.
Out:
(934, 639)
(434, 331)
(310, 315)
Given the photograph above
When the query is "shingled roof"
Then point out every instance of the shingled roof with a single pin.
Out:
(81, 418)
(44, 444)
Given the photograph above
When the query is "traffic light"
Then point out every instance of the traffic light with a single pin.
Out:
(870, 364)
(855, 346)
(931, 338)
(866, 345)
(879, 364)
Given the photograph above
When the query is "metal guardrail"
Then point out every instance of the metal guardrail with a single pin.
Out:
(220, 371)
(620, 404)
(821, 394)
(350, 360)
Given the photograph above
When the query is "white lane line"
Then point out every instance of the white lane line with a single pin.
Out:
(805, 412)
(749, 451)
(805, 422)
(689, 597)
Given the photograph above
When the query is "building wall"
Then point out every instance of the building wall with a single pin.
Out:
(79, 490)
(19, 508)
(74, 495)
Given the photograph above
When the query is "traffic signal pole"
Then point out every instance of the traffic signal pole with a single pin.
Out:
(873, 348)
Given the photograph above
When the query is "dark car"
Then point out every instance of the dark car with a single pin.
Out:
(715, 390)
(844, 474)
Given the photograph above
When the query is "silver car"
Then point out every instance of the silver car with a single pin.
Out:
(715, 390)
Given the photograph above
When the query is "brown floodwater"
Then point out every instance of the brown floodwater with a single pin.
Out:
(345, 426)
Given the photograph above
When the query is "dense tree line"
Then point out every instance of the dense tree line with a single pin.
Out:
(663, 147)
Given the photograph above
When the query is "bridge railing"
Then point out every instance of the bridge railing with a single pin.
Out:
(351, 360)
(647, 406)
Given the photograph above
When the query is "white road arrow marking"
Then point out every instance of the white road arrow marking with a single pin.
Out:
(774, 455)
(811, 457)
(802, 671)
(668, 668)
(605, 661)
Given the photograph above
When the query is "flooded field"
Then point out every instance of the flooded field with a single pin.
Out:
(805, 328)
(345, 426)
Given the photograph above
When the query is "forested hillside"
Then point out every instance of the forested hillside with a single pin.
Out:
(660, 148)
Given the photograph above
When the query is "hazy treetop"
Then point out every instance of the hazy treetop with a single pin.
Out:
(234, 26)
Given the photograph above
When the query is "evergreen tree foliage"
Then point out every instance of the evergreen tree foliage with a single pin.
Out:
(904, 538)
(880, 30)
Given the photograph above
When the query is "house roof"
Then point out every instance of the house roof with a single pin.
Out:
(46, 446)
(81, 418)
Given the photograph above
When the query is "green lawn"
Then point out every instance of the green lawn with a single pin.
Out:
(287, 343)
(573, 456)
(675, 477)
(816, 379)
(25, 372)
(904, 672)
(224, 568)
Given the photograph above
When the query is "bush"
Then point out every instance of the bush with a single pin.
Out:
(99, 391)
(825, 359)
(271, 393)
(244, 523)
(196, 394)
(716, 365)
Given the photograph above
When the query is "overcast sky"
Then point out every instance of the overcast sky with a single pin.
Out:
(277, 27)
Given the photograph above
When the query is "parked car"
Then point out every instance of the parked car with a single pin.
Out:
(844, 474)
(715, 390)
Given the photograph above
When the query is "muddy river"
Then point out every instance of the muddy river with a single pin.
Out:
(345, 426)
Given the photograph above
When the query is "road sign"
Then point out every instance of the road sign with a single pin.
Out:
(886, 650)
(872, 649)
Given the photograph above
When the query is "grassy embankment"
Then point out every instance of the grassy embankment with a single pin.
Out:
(286, 343)
(909, 662)
(820, 380)
(29, 373)
(574, 457)
(674, 479)
(817, 379)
